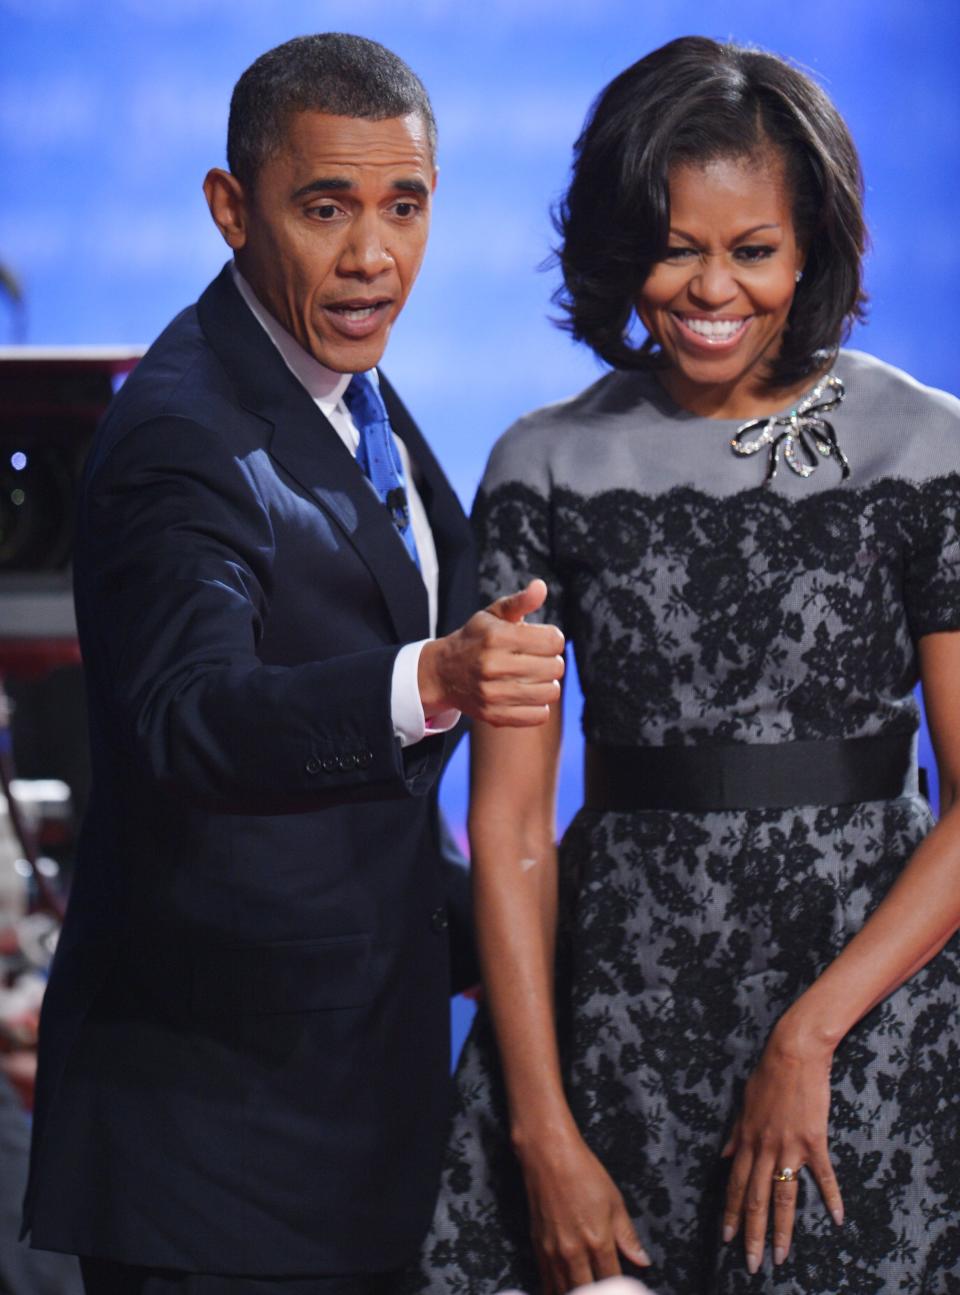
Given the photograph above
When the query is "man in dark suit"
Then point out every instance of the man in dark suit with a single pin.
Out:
(244, 1044)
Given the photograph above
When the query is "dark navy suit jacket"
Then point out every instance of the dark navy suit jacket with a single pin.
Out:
(244, 1045)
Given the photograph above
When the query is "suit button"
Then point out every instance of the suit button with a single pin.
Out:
(439, 920)
(329, 764)
(364, 759)
(347, 762)
(313, 765)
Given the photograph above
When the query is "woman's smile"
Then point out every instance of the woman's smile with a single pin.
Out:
(713, 332)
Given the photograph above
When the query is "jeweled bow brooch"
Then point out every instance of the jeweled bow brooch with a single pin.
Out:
(797, 434)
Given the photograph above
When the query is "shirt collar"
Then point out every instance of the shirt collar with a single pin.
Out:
(324, 385)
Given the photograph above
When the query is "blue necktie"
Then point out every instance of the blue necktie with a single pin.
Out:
(378, 456)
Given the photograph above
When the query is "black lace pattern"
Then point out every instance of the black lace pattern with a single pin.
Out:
(746, 618)
(750, 618)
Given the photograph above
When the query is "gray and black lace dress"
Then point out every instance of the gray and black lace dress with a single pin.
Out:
(706, 608)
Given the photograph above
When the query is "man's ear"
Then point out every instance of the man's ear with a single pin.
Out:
(228, 206)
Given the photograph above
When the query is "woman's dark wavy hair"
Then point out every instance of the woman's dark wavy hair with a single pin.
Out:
(692, 101)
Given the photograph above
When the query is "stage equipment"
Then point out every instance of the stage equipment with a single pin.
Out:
(51, 399)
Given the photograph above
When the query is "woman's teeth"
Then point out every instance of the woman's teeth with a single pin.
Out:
(716, 330)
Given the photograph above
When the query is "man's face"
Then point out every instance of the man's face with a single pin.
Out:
(332, 235)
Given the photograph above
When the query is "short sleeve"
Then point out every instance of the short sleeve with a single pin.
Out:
(932, 574)
(513, 520)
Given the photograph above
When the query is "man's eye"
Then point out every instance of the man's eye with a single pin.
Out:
(406, 209)
(325, 211)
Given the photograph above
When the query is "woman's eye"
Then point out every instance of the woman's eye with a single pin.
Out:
(754, 252)
(679, 253)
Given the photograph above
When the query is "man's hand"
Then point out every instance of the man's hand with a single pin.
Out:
(496, 668)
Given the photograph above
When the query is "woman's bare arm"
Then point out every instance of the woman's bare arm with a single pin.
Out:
(579, 1221)
(786, 1107)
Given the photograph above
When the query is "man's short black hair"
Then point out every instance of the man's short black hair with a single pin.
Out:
(346, 76)
(693, 101)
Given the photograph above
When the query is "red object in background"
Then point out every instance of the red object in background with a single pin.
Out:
(32, 658)
(21, 1069)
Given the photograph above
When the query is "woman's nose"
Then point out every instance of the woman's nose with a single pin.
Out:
(714, 283)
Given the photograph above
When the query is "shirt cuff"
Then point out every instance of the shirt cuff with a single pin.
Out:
(409, 722)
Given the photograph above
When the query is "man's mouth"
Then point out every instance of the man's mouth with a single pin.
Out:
(357, 318)
(357, 312)
(712, 332)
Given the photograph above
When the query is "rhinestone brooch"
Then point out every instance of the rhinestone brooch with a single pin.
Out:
(800, 434)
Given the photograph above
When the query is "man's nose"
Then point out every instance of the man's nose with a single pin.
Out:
(365, 253)
(714, 283)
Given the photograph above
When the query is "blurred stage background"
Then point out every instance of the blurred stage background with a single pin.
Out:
(111, 113)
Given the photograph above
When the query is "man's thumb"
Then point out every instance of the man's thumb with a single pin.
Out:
(515, 606)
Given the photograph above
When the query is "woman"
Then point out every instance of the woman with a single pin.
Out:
(727, 1018)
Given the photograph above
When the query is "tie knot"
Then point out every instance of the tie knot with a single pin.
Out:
(364, 401)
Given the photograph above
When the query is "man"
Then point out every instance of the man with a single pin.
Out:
(244, 1045)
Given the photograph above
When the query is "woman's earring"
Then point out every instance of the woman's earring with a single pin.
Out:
(798, 276)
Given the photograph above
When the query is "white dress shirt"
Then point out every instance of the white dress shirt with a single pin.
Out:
(326, 388)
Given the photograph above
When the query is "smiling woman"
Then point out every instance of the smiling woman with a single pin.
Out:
(720, 1021)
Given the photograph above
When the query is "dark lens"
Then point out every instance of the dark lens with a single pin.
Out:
(36, 503)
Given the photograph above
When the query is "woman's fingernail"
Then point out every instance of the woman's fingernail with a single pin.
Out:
(838, 1216)
(729, 1232)
(779, 1254)
(753, 1262)
(643, 1259)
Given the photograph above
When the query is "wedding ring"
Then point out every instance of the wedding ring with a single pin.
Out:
(785, 1175)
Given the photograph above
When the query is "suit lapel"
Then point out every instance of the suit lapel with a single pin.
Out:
(311, 452)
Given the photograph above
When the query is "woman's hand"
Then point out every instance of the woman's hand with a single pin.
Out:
(579, 1223)
(783, 1125)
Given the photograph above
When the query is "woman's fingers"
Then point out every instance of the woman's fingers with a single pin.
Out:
(736, 1192)
(627, 1241)
(588, 1259)
(785, 1189)
(822, 1170)
(758, 1184)
(733, 1142)
(579, 1222)
(606, 1262)
(579, 1271)
(756, 1210)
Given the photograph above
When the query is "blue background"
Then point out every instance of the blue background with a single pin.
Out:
(111, 113)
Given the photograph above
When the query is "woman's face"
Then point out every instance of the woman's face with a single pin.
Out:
(717, 303)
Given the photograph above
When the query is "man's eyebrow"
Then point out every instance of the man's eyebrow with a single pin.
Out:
(412, 186)
(325, 184)
(339, 184)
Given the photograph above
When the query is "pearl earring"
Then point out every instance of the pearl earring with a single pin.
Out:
(798, 276)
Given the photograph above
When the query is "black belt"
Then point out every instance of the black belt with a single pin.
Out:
(740, 775)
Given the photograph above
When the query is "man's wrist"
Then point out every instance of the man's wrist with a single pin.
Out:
(429, 687)
(413, 717)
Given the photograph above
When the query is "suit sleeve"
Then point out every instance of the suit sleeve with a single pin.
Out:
(174, 565)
